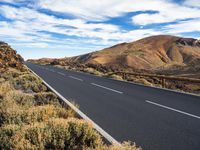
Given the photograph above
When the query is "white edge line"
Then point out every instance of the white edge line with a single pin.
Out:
(61, 73)
(76, 78)
(106, 88)
(97, 127)
(179, 111)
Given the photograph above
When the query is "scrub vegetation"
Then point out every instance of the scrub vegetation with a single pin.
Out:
(32, 117)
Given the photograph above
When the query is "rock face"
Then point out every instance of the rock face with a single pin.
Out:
(9, 57)
(188, 42)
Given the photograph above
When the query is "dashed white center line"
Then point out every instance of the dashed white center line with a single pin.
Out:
(172, 109)
(76, 78)
(61, 73)
(107, 88)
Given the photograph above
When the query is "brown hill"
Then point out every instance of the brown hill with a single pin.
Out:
(154, 52)
(162, 53)
(9, 57)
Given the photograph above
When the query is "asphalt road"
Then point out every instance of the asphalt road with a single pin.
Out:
(155, 119)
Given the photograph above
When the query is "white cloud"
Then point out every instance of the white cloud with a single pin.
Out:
(28, 24)
(30, 21)
(169, 12)
(99, 10)
(192, 3)
(184, 26)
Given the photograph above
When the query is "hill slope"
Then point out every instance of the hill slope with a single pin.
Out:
(154, 52)
(162, 53)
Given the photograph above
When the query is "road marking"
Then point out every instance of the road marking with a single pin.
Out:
(179, 111)
(76, 78)
(52, 70)
(61, 73)
(106, 88)
(79, 112)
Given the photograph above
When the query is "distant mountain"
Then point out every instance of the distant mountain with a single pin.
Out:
(156, 53)
(9, 57)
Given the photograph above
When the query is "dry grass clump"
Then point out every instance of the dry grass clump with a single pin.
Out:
(70, 134)
(9, 112)
(6, 136)
(117, 77)
(12, 113)
(20, 98)
(92, 71)
(123, 146)
(43, 98)
(29, 83)
(142, 81)
(2, 80)
(5, 87)
(11, 73)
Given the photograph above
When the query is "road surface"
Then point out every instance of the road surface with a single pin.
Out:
(155, 119)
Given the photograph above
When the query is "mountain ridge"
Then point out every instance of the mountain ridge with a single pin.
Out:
(161, 53)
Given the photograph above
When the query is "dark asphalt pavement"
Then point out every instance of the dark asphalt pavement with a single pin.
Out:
(155, 119)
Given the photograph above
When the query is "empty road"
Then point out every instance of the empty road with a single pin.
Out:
(155, 119)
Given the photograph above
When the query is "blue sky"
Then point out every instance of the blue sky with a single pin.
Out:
(63, 28)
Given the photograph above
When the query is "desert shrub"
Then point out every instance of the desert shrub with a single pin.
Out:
(5, 87)
(10, 112)
(6, 134)
(11, 73)
(44, 113)
(123, 146)
(46, 98)
(2, 80)
(59, 66)
(70, 134)
(117, 77)
(29, 83)
(92, 71)
(142, 81)
(20, 98)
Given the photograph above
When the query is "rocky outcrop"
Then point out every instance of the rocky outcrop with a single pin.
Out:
(9, 57)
